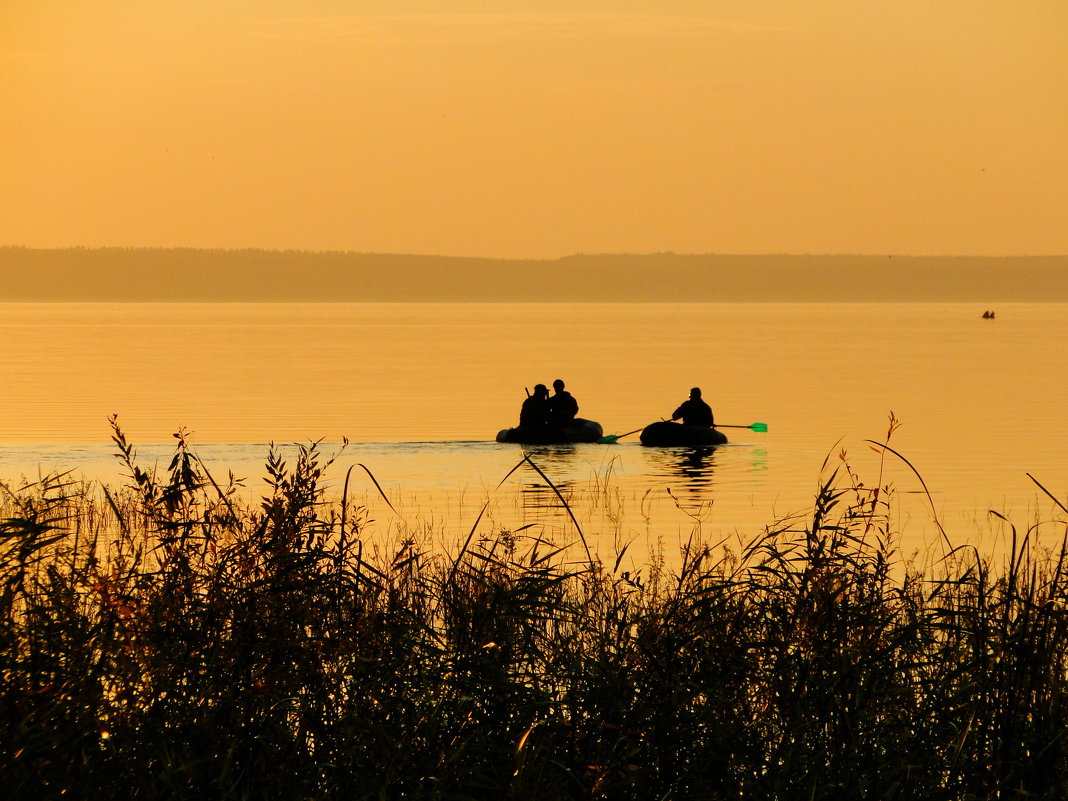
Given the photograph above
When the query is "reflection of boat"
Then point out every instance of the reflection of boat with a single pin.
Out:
(580, 430)
(694, 466)
(665, 434)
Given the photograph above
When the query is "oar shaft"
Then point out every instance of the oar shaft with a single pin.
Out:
(751, 426)
(610, 438)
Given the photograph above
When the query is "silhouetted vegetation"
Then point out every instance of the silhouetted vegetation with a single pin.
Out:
(164, 640)
(146, 275)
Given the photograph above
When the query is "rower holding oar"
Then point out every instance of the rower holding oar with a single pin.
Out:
(697, 429)
(695, 412)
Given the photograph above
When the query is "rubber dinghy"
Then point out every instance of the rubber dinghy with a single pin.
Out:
(678, 435)
(580, 430)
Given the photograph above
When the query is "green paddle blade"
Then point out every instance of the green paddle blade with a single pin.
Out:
(611, 439)
(762, 427)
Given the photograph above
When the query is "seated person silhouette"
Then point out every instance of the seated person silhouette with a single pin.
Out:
(562, 406)
(534, 413)
(695, 412)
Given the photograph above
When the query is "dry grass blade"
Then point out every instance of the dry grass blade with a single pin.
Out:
(927, 492)
(566, 505)
(377, 487)
(1052, 497)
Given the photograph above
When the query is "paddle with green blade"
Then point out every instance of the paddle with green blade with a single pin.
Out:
(610, 439)
(761, 427)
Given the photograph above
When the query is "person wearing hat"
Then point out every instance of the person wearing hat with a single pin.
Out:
(695, 412)
(562, 406)
(535, 411)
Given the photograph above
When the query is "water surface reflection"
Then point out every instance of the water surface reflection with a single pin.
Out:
(547, 490)
(693, 465)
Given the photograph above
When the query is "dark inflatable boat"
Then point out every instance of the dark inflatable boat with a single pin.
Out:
(665, 434)
(580, 430)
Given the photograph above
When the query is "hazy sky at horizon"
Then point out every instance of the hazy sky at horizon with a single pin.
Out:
(537, 130)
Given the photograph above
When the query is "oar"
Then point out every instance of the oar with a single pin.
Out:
(762, 427)
(610, 439)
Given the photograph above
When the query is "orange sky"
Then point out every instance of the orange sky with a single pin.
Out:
(538, 129)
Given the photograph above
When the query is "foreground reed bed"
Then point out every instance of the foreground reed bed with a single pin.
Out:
(165, 641)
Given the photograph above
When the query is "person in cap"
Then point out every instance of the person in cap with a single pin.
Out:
(534, 413)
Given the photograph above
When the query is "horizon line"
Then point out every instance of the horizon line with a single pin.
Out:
(577, 254)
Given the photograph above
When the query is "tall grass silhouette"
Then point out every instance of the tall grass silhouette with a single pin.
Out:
(166, 640)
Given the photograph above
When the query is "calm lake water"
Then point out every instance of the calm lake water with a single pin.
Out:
(420, 391)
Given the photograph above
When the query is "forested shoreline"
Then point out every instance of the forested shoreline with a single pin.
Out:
(192, 275)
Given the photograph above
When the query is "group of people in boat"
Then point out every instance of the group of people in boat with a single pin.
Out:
(558, 410)
(541, 409)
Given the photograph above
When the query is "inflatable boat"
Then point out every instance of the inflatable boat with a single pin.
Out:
(665, 434)
(580, 430)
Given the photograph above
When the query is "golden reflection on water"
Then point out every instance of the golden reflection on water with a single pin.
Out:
(981, 402)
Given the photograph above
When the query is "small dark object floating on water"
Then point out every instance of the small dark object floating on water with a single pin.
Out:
(988, 315)
(580, 430)
(666, 434)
